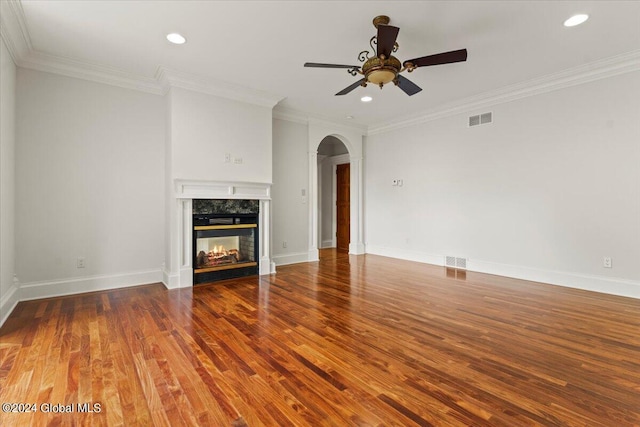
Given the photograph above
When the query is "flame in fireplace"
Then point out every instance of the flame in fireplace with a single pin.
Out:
(218, 252)
(218, 255)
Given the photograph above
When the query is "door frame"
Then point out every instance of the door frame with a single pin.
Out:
(351, 137)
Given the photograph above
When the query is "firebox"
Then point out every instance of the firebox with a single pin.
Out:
(224, 246)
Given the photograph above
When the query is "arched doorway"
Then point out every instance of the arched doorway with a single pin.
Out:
(334, 206)
(351, 138)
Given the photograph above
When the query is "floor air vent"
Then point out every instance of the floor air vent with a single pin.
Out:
(480, 119)
(455, 262)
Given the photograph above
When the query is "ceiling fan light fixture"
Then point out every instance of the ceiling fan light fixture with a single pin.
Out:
(366, 98)
(381, 77)
(576, 20)
(176, 38)
(380, 71)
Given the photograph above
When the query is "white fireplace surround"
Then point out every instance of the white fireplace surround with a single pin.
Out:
(187, 190)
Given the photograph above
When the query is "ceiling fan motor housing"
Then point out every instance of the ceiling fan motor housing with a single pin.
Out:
(381, 71)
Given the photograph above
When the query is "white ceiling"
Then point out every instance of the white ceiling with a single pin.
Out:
(264, 44)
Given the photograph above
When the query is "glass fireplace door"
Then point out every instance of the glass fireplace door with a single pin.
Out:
(223, 247)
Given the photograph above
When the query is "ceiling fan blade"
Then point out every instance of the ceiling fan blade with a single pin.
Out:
(387, 36)
(317, 65)
(348, 89)
(440, 58)
(409, 87)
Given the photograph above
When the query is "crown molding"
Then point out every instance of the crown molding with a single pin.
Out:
(290, 115)
(327, 123)
(14, 32)
(284, 113)
(88, 71)
(13, 29)
(168, 78)
(609, 67)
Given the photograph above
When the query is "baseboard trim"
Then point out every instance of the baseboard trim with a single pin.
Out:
(357, 248)
(266, 266)
(170, 281)
(328, 244)
(405, 254)
(38, 290)
(294, 258)
(605, 285)
(313, 255)
(8, 303)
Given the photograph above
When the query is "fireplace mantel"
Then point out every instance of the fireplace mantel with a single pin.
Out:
(186, 189)
(180, 272)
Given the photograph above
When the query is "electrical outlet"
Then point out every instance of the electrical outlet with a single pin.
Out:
(606, 262)
(237, 160)
(284, 244)
(80, 262)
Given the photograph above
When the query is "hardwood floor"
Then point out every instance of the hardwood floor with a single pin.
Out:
(351, 340)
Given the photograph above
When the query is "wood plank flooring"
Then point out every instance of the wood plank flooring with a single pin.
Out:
(347, 341)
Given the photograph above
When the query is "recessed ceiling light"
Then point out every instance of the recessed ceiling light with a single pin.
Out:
(176, 38)
(349, 117)
(576, 20)
(366, 99)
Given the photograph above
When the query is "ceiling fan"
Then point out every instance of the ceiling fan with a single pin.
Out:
(384, 67)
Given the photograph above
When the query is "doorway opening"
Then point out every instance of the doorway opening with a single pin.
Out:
(343, 207)
(334, 209)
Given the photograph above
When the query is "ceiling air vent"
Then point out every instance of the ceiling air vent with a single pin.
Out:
(480, 119)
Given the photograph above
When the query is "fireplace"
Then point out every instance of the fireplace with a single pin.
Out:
(224, 199)
(225, 243)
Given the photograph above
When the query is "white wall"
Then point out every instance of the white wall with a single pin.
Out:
(325, 186)
(205, 127)
(170, 204)
(290, 177)
(545, 192)
(90, 183)
(8, 292)
(201, 130)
